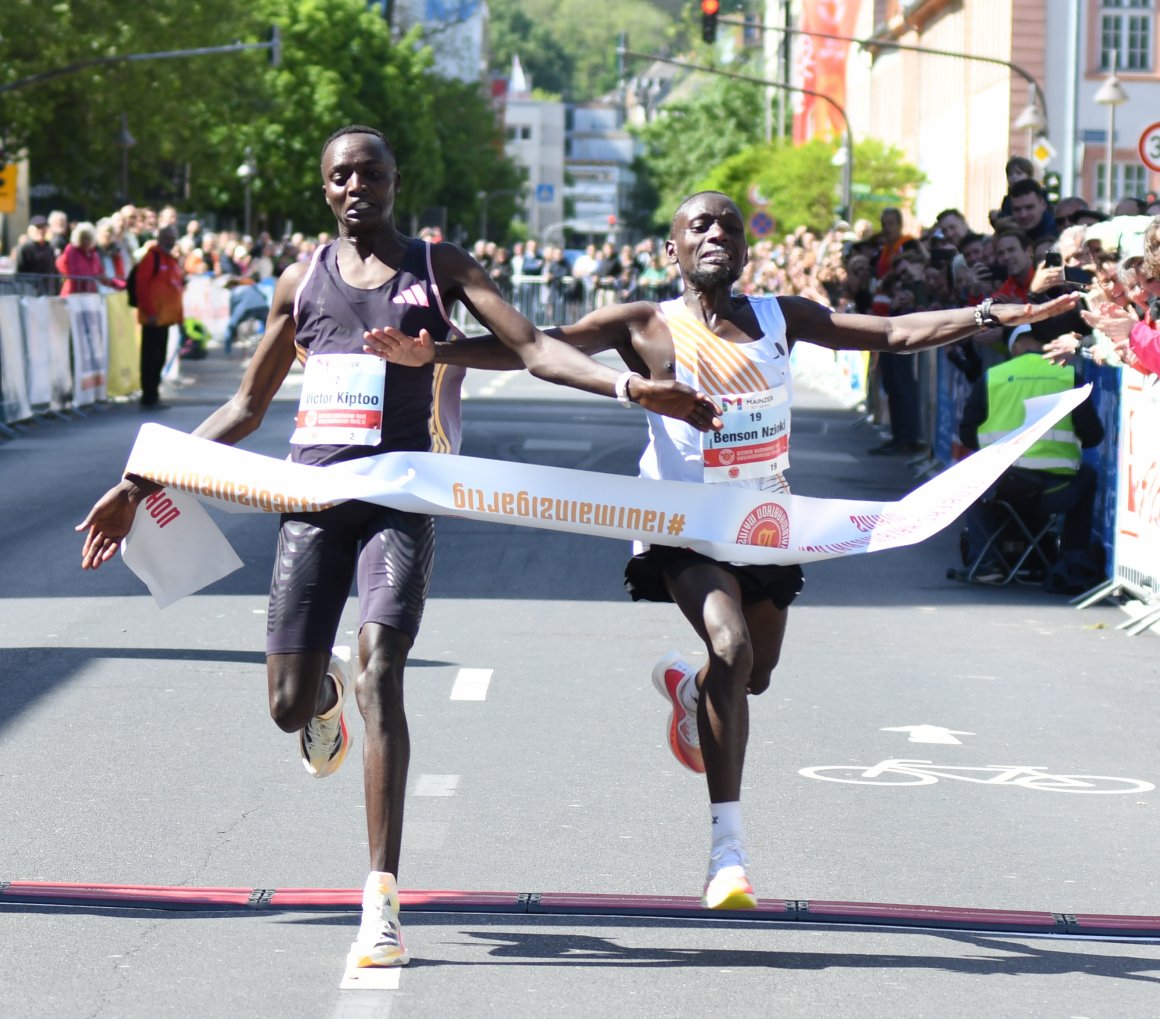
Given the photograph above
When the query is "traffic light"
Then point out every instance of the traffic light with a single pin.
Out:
(1051, 186)
(709, 9)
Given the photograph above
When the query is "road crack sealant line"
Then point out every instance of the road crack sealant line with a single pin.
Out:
(786, 912)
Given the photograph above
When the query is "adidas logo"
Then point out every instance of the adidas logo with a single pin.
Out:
(414, 294)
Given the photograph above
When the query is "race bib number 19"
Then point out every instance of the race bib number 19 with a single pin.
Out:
(342, 400)
(755, 440)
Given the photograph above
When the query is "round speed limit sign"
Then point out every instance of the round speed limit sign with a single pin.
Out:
(1150, 147)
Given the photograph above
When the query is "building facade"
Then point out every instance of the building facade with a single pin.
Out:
(599, 156)
(535, 141)
(959, 120)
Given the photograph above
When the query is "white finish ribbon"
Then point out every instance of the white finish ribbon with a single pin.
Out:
(737, 525)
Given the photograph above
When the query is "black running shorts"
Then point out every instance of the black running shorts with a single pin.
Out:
(390, 551)
(645, 574)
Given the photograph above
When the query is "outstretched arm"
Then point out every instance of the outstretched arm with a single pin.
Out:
(561, 358)
(112, 515)
(905, 334)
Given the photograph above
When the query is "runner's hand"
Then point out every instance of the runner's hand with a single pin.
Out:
(399, 348)
(1017, 314)
(107, 523)
(676, 400)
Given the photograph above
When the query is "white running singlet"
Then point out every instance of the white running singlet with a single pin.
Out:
(720, 369)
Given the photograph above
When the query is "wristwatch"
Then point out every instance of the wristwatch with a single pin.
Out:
(983, 317)
(621, 388)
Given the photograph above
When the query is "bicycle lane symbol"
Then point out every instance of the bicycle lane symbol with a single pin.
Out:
(905, 772)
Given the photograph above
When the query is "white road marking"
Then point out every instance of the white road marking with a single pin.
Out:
(930, 733)
(436, 785)
(471, 685)
(559, 445)
(373, 978)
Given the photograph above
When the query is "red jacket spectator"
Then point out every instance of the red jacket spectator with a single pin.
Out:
(75, 261)
(160, 280)
(1144, 342)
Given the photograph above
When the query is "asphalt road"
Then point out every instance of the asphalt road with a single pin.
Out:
(135, 749)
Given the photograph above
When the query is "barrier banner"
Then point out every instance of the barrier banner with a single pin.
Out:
(1137, 538)
(206, 299)
(46, 330)
(124, 345)
(731, 524)
(1106, 385)
(840, 373)
(14, 402)
(90, 345)
(952, 392)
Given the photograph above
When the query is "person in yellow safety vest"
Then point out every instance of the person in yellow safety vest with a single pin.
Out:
(1051, 476)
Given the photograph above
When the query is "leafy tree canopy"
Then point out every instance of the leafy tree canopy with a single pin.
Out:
(801, 185)
(191, 118)
(569, 46)
(720, 118)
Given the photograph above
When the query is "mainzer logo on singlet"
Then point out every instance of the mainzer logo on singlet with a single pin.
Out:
(766, 525)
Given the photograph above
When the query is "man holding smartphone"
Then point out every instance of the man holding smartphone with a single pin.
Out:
(1014, 253)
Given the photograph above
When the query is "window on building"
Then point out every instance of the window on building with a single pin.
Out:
(1135, 180)
(519, 132)
(1126, 34)
(1129, 180)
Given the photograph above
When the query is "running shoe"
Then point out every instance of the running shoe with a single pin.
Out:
(380, 936)
(727, 886)
(325, 741)
(684, 741)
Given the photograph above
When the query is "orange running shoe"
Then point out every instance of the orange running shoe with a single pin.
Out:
(684, 740)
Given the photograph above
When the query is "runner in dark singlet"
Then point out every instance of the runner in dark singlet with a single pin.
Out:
(354, 405)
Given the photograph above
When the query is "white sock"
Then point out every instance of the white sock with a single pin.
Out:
(727, 824)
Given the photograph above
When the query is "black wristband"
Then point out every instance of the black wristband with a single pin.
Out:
(983, 317)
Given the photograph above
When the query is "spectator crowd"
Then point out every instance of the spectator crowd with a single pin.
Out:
(1030, 250)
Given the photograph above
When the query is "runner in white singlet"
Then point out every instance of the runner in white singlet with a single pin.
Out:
(736, 350)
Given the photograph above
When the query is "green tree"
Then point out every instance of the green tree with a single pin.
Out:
(471, 150)
(338, 67)
(193, 117)
(71, 126)
(512, 31)
(800, 184)
(569, 46)
(718, 120)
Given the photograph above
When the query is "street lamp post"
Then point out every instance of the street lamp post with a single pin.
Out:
(1031, 120)
(246, 173)
(1111, 94)
(126, 141)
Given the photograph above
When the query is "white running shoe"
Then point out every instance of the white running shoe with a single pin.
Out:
(669, 676)
(380, 936)
(727, 885)
(325, 740)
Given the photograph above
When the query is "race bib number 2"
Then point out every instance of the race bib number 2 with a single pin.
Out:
(755, 440)
(342, 400)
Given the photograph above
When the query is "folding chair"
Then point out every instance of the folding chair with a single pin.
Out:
(1016, 550)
